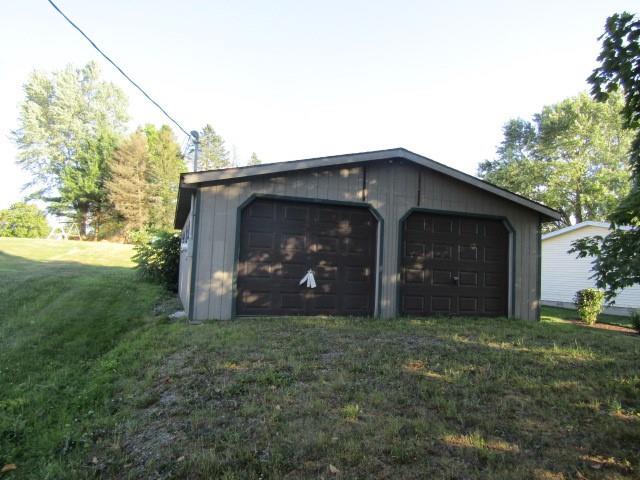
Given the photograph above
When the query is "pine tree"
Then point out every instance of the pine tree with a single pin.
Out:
(127, 185)
(165, 165)
(254, 160)
(213, 152)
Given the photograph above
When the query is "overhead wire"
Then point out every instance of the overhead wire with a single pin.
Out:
(175, 122)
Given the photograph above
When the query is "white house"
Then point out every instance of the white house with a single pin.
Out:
(563, 274)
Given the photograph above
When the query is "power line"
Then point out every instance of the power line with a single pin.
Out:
(118, 68)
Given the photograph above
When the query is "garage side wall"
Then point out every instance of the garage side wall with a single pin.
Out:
(392, 188)
(184, 274)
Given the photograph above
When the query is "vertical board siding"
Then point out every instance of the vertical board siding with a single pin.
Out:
(392, 189)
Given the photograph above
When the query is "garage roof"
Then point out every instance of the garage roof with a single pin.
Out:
(578, 226)
(191, 180)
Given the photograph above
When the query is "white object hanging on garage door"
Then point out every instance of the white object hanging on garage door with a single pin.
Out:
(309, 279)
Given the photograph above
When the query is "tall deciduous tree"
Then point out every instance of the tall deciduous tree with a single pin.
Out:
(617, 255)
(127, 186)
(62, 126)
(165, 165)
(572, 157)
(213, 152)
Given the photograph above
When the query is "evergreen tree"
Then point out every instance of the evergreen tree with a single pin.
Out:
(165, 165)
(127, 186)
(254, 160)
(213, 152)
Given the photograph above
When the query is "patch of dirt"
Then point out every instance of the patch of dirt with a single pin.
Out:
(151, 445)
(166, 305)
(604, 326)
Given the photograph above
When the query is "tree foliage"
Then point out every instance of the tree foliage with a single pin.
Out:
(67, 124)
(589, 304)
(127, 185)
(23, 220)
(157, 258)
(254, 160)
(617, 255)
(213, 152)
(572, 157)
(143, 174)
(164, 168)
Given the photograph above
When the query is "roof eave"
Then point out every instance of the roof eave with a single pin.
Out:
(195, 179)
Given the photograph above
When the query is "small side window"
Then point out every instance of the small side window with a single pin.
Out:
(185, 236)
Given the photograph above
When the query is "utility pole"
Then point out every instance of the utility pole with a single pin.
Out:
(195, 136)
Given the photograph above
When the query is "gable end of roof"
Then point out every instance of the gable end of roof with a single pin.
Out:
(192, 180)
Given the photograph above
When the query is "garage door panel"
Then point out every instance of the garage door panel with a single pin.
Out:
(355, 303)
(262, 240)
(295, 213)
(256, 299)
(493, 305)
(494, 279)
(469, 228)
(442, 251)
(261, 210)
(337, 242)
(453, 265)
(441, 304)
(468, 305)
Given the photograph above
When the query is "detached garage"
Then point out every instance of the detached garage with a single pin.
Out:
(381, 233)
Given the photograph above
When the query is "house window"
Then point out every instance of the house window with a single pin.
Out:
(186, 235)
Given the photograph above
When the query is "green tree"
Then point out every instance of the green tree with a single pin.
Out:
(127, 186)
(23, 220)
(515, 167)
(63, 123)
(617, 255)
(254, 160)
(164, 168)
(213, 152)
(572, 158)
(82, 194)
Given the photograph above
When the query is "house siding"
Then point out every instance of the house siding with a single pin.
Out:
(563, 274)
(392, 188)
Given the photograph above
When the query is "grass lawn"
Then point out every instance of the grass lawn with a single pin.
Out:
(96, 382)
(553, 313)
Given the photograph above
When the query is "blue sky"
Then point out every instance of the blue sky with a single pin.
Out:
(298, 79)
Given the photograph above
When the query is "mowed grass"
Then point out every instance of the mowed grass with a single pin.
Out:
(556, 313)
(95, 384)
(63, 307)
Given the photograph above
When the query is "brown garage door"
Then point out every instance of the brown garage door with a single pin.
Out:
(454, 265)
(281, 240)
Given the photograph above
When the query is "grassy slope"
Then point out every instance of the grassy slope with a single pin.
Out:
(439, 398)
(63, 307)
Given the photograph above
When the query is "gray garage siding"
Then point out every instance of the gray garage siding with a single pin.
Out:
(184, 274)
(392, 188)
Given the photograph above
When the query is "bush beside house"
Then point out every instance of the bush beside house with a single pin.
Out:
(589, 302)
(157, 257)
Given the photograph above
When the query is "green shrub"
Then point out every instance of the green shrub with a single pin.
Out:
(23, 220)
(589, 304)
(635, 320)
(157, 257)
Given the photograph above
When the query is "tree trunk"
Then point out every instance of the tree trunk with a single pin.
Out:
(83, 210)
(578, 207)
